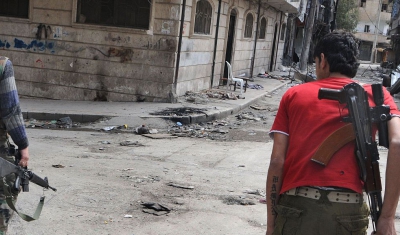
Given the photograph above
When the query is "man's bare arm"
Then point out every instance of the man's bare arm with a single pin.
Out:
(392, 182)
(274, 178)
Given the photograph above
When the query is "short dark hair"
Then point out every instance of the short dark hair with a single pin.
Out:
(341, 51)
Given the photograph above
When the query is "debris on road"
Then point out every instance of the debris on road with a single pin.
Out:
(109, 128)
(237, 200)
(58, 166)
(131, 143)
(160, 136)
(155, 208)
(183, 111)
(180, 186)
(142, 130)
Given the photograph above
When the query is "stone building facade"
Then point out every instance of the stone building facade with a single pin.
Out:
(373, 26)
(150, 50)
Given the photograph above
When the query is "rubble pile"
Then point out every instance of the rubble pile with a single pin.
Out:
(215, 130)
(182, 111)
(204, 96)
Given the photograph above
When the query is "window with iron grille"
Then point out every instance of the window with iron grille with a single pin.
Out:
(119, 13)
(15, 8)
(248, 31)
(263, 28)
(202, 23)
(283, 32)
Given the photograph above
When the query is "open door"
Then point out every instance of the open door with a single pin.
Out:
(272, 60)
(229, 44)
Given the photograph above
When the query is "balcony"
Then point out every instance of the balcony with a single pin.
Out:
(283, 5)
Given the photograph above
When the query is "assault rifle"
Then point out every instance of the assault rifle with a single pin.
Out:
(23, 176)
(362, 116)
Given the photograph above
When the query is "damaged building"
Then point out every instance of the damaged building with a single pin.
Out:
(142, 50)
(373, 28)
(395, 31)
(298, 28)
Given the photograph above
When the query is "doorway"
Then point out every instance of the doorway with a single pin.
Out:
(271, 65)
(230, 41)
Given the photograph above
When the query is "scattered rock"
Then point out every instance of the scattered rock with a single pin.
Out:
(130, 143)
(142, 130)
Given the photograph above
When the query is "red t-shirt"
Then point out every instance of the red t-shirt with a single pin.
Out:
(311, 121)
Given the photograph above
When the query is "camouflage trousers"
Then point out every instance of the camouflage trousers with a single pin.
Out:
(5, 211)
(300, 215)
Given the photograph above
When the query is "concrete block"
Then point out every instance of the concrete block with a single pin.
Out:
(53, 5)
(52, 17)
(199, 118)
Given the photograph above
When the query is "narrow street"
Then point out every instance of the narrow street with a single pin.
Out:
(211, 182)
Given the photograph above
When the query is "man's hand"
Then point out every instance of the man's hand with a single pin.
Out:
(385, 227)
(24, 157)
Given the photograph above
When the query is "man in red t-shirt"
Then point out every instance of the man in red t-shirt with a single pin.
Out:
(304, 196)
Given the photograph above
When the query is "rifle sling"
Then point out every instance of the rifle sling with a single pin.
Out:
(11, 204)
(333, 143)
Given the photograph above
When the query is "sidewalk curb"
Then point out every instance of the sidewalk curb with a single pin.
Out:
(191, 119)
(207, 116)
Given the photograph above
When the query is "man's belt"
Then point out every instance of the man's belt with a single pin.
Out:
(333, 196)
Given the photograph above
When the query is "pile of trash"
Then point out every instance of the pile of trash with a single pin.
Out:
(204, 96)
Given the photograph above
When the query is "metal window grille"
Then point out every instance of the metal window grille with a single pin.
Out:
(263, 28)
(119, 13)
(202, 24)
(15, 8)
(283, 32)
(248, 31)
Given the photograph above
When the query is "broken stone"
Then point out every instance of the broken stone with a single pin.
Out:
(142, 130)
(180, 186)
(130, 143)
(237, 200)
(155, 208)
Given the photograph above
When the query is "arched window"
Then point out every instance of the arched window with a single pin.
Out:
(263, 28)
(248, 31)
(283, 32)
(202, 24)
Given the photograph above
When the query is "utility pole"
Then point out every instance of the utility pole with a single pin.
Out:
(373, 52)
(307, 40)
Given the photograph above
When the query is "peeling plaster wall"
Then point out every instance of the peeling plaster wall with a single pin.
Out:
(90, 62)
(87, 62)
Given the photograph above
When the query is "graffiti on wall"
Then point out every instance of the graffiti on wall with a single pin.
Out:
(160, 44)
(4, 44)
(34, 45)
(124, 54)
(118, 39)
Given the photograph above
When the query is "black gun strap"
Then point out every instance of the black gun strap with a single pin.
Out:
(11, 204)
